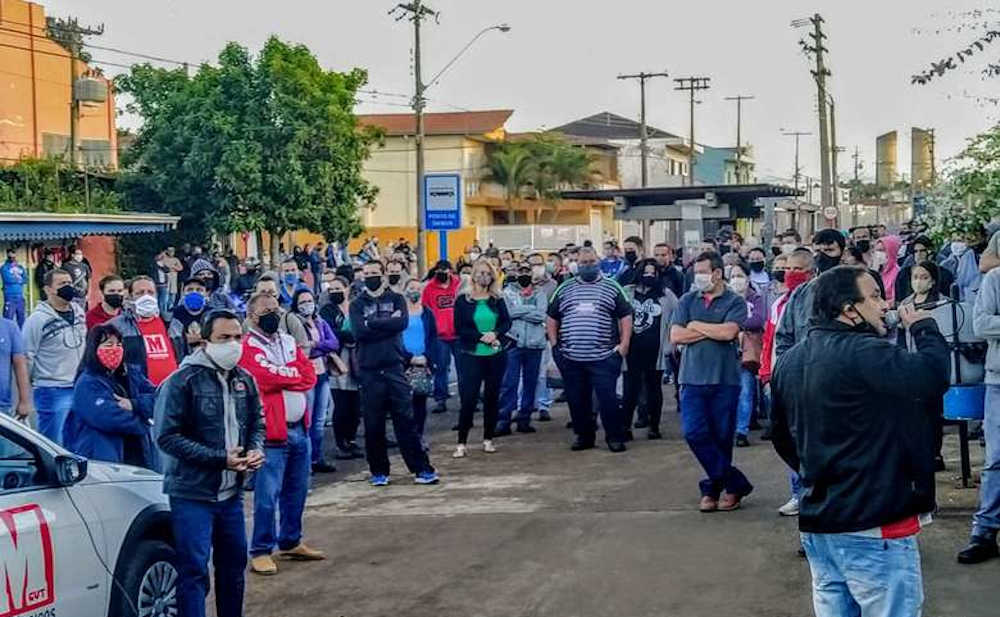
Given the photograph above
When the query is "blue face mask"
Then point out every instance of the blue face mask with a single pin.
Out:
(291, 278)
(194, 301)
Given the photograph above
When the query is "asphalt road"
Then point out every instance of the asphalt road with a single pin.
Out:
(538, 530)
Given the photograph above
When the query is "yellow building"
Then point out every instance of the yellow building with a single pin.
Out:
(35, 79)
(461, 142)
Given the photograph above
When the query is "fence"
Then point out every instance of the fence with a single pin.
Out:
(536, 237)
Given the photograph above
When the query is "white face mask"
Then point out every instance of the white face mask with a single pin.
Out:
(738, 285)
(306, 309)
(921, 286)
(572, 267)
(957, 248)
(787, 249)
(538, 272)
(146, 307)
(703, 282)
(225, 355)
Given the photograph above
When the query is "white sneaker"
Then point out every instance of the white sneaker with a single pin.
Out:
(488, 446)
(459, 451)
(791, 508)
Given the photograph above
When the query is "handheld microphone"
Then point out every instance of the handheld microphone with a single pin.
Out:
(926, 306)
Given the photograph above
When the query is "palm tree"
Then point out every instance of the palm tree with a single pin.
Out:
(563, 166)
(511, 165)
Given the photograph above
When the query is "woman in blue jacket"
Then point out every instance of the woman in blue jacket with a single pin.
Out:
(112, 405)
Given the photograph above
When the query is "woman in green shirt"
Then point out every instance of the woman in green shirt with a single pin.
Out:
(482, 322)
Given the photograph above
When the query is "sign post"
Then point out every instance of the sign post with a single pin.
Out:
(443, 210)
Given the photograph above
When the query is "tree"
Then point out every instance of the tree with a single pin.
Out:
(66, 32)
(511, 166)
(45, 185)
(254, 144)
(982, 20)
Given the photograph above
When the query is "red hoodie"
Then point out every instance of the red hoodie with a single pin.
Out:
(283, 374)
(441, 301)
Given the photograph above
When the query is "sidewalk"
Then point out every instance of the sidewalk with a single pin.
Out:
(538, 530)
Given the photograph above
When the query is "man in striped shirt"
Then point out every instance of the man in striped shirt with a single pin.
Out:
(589, 327)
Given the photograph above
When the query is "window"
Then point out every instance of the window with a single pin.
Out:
(19, 467)
(55, 145)
(95, 152)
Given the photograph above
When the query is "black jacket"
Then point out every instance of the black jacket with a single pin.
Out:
(190, 428)
(850, 413)
(465, 324)
(378, 331)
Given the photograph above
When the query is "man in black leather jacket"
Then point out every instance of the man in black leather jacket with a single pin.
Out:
(209, 426)
(850, 414)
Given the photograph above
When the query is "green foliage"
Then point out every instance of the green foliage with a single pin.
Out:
(511, 166)
(268, 143)
(47, 185)
(66, 32)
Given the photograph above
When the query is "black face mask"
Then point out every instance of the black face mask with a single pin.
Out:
(863, 245)
(373, 283)
(757, 266)
(776, 250)
(442, 276)
(336, 297)
(824, 262)
(524, 280)
(779, 275)
(114, 300)
(394, 278)
(649, 280)
(66, 292)
(631, 256)
(268, 323)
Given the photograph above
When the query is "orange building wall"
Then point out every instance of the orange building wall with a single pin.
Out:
(36, 86)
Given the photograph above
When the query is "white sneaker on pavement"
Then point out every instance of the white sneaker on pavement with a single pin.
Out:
(488, 446)
(791, 508)
(459, 451)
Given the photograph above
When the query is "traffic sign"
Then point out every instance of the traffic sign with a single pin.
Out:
(830, 212)
(442, 201)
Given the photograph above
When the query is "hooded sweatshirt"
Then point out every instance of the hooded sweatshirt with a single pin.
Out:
(217, 298)
(53, 346)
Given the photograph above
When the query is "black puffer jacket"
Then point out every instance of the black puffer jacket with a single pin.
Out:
(191, 427)
(850, 414)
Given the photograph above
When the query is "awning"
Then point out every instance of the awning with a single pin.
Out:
(32, 226)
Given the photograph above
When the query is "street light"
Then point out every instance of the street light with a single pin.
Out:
(418, 110)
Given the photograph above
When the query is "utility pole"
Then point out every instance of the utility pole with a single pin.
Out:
(416, 11)
(692, 85)
(834, 150)
(820, 74)
(74, 105)
(642, 77)
(798, 170)
(854, 195)
(739, 121)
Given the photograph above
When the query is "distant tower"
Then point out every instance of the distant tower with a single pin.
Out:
(922, 158)
(885, 159)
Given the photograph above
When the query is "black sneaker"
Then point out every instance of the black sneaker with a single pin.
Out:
(654, 434)
(742, 441)
(616, 446)
(502, 432)
(580, 444)
(525, 428)
(980, 549)
(323, 467)
(543, 416)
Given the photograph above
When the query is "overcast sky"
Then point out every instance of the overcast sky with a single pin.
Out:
(560, 60)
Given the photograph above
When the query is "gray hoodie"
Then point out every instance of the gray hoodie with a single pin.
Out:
(53, 346)
(986, 322)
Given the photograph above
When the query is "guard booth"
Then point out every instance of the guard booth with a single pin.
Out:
(691, 213)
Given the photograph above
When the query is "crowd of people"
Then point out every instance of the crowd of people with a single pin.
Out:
(226, 376)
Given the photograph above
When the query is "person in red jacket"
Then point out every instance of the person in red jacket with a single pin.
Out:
(439, 296)
(284, 376)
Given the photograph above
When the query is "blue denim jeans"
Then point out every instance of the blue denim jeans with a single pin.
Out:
(986, 521)
(52, 405)
(281, 484)
(446, 350)
(708, 417)
(855, 576)
(543, 396)
(162, 299)
(521, 376)
(748, 394)
(319, 401)
(13, 308)
(203, 528)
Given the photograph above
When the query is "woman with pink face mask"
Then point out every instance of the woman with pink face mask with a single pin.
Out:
(111, 417)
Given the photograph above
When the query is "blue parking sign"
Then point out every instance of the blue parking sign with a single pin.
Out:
(442, 201)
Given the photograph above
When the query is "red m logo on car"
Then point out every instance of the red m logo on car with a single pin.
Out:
(26, 566)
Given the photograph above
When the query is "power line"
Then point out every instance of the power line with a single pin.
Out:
(692, 85)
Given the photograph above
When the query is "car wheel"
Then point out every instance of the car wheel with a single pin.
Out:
(148, 582)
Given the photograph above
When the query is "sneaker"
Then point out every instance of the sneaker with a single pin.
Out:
(426, 477)
(580, 444)
(459, 451)
(616, 446)
(654, 434)
(742, 441)
(379, 480)
(526, 428)
(323, 467)
(502, 432)
(263, 565)
(302, 553)
(543, 416)
(441, 407)
(791, 508)
(980, 549)
(488, 446)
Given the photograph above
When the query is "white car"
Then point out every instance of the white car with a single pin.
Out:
(80, 538)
